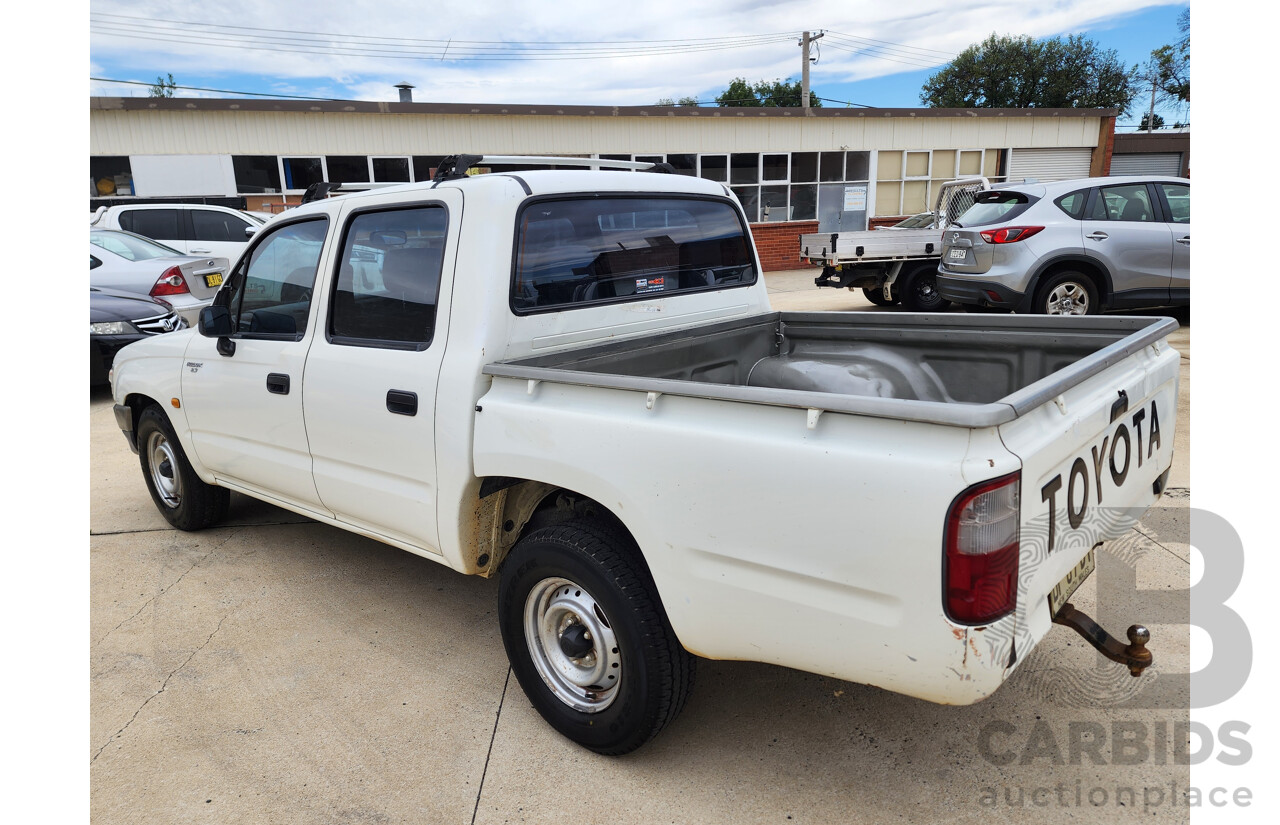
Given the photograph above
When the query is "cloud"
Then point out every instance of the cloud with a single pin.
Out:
(361, 63)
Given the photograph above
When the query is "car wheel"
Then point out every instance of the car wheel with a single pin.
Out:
(1067, 293)
(876, 296)
(920, 292)
(183, 499)
(588, 639)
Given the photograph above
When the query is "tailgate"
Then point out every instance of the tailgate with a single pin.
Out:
(204, 276)
(1091, 460)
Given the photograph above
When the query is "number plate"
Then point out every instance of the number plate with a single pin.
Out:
(213, 280)
(1063, 590)
(958, 254)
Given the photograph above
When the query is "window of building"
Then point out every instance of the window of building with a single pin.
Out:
(389, 279)
(804, 167)
(774, 167)
(390, 170)
(347, 168)
(425, 166)
(299, 173)
(686, 164)
(831, 167)
(110, 175)
(714, 167)
(908, 182)
(744, 167)
(256, 174)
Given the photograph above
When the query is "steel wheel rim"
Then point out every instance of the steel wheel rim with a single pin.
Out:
(162, 460)
(1069, 298)
(587, 683)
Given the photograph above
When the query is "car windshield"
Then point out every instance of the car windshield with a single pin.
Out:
(994, 207)
(922, 221)
(131, 247)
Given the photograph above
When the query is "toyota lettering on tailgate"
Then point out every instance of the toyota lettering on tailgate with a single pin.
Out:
(1129, 432)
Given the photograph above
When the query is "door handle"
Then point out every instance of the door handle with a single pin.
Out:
(402, 402)
(201, 251)
(1097, 236)
(278, 383)
(1185, 241)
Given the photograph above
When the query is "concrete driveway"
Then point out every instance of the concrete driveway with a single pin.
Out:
(276, 670)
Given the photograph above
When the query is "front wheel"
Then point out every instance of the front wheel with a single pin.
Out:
(1067, 293)
(920, 292)
(587, 637)
(182, 498)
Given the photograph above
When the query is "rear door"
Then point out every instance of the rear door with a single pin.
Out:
(168, 226)
(1123, 229)
(370, 390)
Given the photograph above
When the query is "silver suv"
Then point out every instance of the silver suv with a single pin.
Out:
(1073, 247)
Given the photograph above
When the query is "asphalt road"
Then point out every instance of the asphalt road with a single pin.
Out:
(277, 670)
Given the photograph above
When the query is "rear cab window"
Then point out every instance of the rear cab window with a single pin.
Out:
(995, 207)
(583, 251)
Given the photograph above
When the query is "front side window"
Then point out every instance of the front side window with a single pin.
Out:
(389, 277)
(1178, 197)
(591, 251)
(271, 294)
(207, 225)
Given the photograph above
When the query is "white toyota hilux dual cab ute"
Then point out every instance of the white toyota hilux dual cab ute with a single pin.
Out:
(573, 381)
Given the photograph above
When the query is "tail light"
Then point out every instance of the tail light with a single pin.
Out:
(980, 567)
(170, 283)
(1010, 234)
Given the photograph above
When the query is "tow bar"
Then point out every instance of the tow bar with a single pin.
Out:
(1134, 655)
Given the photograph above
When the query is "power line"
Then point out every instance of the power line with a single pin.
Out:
(223, 91)
(948, 55)
(866, 52)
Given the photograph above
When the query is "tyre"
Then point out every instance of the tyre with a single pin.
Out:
(876, 296)
(920, 292)
(183, 499)
(1067, 293)
(588, 639)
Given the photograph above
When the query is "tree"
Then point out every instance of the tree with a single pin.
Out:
(163, 88)
(684, 101)
(764, 93)
(1018, 72)
(1157, 122)
(1170, 66)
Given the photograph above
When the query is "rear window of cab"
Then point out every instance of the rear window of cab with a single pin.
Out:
(585, 251)
(995, 207)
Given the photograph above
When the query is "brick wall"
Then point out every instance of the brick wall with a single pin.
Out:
(778, 243)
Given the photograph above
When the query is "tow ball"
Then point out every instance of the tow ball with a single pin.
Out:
(1134, 655)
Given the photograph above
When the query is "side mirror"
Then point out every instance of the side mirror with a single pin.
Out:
(215, 322)
(249, 231)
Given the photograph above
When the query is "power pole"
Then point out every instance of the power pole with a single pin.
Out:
(1151, 113)
(804, 69)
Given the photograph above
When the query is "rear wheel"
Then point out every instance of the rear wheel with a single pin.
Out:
(587, 637)
(876, 296)
(920, 292)
(1067, 293)
(182, 498)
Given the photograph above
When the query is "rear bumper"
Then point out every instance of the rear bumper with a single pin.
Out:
(982, 293)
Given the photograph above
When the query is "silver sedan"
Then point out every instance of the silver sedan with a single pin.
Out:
(131, 263)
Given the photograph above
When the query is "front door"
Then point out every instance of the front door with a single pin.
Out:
(370, 392)
(244, 402)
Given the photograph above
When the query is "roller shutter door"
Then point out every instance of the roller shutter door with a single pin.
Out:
(1147, 163)
(1049, 164)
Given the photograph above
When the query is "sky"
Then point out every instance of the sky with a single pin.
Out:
(499, 51)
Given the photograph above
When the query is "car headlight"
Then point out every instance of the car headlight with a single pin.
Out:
(112, 328)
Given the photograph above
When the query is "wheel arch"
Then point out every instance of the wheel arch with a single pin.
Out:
(1095, 271)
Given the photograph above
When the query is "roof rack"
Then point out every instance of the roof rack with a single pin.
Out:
(456, 166)
(326, 189)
